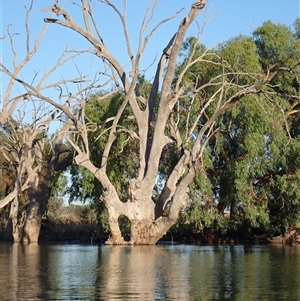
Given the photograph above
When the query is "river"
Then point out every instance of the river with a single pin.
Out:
(163, 272)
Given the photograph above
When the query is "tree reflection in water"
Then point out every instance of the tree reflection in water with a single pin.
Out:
(82, 272)
(20, 274)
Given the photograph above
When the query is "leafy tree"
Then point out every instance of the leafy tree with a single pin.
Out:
(254, 168)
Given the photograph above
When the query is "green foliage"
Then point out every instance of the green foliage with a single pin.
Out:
(240, 53)
(59, 184)
(297, 29)
(274, 44)
(278, 46)
(83, 185)
(259, 154)
(7, 170)
(251, 165)
(201, 216)
(124, 224)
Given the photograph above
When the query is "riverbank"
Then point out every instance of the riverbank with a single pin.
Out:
(93, 233)
(82, 233)
(78, 223)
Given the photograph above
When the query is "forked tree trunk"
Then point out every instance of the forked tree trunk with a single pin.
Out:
(143, 232)
(147, 232)
(146, 227)
(147, 223)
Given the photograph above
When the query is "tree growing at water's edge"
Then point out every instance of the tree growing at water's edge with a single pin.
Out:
(33, 157)
(157, 117)
(252, 168)
(175, 116)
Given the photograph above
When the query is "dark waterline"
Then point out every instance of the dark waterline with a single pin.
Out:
(180, 272)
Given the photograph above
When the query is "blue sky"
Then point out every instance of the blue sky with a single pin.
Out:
(229, 18)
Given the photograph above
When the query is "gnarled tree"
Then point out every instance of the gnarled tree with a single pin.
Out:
(36, 160)
(33, 153)
(151, 208)
(156, 116)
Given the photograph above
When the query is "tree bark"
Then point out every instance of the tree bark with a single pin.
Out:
(116, 237)
(12, 220)
(147, 232)
(14, 227)
(32, 226)
(39, 194)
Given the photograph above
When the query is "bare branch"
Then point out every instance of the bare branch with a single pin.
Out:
(8, 105)
(100, 49)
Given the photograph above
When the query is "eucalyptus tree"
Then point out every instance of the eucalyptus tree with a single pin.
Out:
(36, 163)
(253, 167)
(279, 45)
(34, 155)
(157, 118)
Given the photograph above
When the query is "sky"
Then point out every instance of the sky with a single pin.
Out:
(227, 18)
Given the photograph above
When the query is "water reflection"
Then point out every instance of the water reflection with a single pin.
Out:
(15, 276)
(143, 273)
(80, 272)
(70, 272)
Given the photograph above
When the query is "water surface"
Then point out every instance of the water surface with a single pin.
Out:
(180, 272)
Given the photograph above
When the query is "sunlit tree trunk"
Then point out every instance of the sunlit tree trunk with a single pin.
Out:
(12, 231)
(33, 221)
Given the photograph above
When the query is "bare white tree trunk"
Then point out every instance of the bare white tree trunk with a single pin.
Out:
(147, 225)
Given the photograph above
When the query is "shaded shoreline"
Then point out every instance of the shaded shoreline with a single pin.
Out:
(92, 233)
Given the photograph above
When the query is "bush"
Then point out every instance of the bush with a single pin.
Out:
(73, 214)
